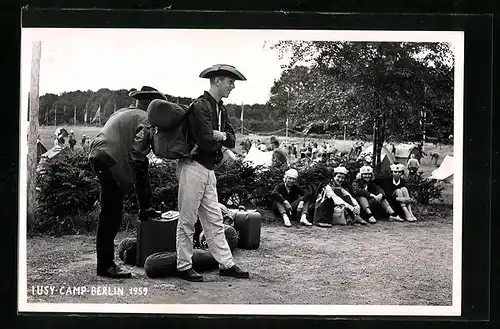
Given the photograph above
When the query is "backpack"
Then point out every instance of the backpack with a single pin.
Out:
(169, 131)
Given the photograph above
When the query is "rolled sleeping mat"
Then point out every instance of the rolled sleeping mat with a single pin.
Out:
(127, 250)
(232, 238)
(164, 264)
(203, 260)
(165, 114)
(161, 264)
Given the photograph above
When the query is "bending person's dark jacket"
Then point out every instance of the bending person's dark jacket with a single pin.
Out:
(360, 187)
(202, 120)
(280, 194)
(123, 145)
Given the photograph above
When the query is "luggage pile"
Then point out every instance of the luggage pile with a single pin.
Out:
(154, 247)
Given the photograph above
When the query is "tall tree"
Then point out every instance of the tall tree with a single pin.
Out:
(378, 84)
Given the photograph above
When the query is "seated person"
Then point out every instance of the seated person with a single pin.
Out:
(371, 195)
(397, 193)
(289, 199)
(413, 165)
(341, 197)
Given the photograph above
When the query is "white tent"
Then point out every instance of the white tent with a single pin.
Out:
(445, 170)
(403, 151)
(257, 157)
(386, 158)
(52, 152)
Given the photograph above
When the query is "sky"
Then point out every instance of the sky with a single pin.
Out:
(171, 59)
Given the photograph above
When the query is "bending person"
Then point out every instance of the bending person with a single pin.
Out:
(397, 192)
(118, 156)
(290, 199)
(370, 195)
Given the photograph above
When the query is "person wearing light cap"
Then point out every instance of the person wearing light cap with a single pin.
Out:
(290, 199)
(208, 131)
(341, 196)
(397, 193)
(370, 195)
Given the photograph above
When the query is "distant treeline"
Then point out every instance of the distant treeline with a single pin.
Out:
(69, 108)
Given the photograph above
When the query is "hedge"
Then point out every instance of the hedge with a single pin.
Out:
(68, 190)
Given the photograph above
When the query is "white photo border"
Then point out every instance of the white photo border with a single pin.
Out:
(455, 38)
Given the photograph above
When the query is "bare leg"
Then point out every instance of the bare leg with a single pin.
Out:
(386, 206)
(407, 194)
(400, 194)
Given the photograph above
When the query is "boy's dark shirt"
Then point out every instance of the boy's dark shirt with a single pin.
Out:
(202, 120)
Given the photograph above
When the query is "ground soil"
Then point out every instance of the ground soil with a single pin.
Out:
(388, 263)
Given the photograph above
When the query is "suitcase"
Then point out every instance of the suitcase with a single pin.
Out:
(248, 223)
(156, 235)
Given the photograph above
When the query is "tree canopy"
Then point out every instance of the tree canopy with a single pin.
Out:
(357, 83)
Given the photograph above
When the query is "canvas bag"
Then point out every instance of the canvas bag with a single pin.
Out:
(169, 138)
(325, 211)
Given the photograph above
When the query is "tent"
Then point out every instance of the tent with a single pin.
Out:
(52, 152)
(40, 149)
(445, 170)
(403, 151)
(386, 157)
(48, 155)
(257, 157)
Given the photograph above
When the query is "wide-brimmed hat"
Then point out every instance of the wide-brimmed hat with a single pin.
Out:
(147, 92)
(222, 70)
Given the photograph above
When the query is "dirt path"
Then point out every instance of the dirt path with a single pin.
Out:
(387, 263)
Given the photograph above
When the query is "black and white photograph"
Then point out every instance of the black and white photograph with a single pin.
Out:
(234, 171)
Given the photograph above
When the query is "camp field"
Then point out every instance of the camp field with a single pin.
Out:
(387, 263)
(46, 134)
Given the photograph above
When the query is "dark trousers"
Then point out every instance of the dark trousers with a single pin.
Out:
(279, 208)
(111, 215)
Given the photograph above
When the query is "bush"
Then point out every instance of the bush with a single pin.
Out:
(67, 189)
(423, 190)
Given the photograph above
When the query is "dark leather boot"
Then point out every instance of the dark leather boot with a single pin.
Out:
(235, 272)
(190, 275)
(114, 272)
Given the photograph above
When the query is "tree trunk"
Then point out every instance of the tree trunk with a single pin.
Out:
(33, 133)
(375, 133)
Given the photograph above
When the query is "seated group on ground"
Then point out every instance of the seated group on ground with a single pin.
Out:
(339, 203)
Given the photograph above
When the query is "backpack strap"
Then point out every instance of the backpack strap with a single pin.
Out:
(190, 107)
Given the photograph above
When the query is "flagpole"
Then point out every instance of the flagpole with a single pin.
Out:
(55, 117)
(74, 115)
(242, 118)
